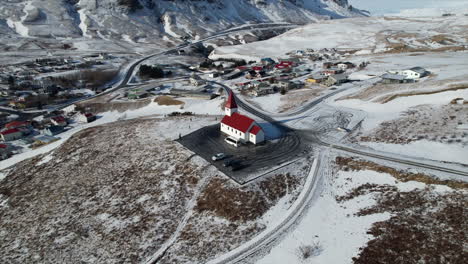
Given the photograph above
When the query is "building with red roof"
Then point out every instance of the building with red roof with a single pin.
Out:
(17, 124)
(238, 126)
(11, 134)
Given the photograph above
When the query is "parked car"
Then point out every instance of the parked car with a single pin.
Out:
(237, 165)
(232, 141)
(218, 156)
(229, 162)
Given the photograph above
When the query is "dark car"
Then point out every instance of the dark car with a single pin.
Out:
(236, 166)
(229, 162)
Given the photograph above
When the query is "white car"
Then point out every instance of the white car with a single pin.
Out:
(343, 129)
(232, 141)
(218, 156)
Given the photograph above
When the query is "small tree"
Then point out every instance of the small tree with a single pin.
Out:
(283, 91)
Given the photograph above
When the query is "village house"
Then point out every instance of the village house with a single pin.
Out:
(287, 85)
(317, 78)
(44, 140)
(195, 80)
(414, 73)
(53, 130)
(24, 127)
(213, 75)
(333, 70)
(86, 118)
(11, 134)
(238, 126)
(264, 90)
(257, 85)
(267, 61)
(336, 79)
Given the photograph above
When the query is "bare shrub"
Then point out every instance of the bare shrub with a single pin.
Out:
(308, 251)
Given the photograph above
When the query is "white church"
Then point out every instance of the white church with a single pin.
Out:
(238, 126)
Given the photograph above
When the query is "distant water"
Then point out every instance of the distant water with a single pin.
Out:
(410, 7)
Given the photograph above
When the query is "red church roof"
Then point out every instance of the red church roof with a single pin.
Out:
(231, 101)
(238, 121)
(255, 130)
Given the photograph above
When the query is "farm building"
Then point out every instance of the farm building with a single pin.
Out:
(395, 78)
(239, 126)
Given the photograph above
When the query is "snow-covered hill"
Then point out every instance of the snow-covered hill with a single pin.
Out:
(139, 20)
(361, 36)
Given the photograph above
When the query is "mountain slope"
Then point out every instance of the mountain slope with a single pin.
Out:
(139, 20)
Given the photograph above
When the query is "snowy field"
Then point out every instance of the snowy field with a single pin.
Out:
(361, 35)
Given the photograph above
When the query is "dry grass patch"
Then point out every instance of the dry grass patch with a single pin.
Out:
(113, 106)
(244, 203)
(101, 198)
(167, 100)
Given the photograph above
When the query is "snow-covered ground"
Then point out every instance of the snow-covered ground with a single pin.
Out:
(331, 227)
(378, 113)
(425, 149)
(411, 8)
(365, 35)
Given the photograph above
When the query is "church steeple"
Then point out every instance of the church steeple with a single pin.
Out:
(231, 106)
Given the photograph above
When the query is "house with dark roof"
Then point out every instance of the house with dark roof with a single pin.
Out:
(238, 126)
(53, 130)
(388, 78)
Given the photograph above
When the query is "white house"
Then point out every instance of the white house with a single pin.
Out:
(414, 73)
(239, 126)
(86, 118)
(195, 80)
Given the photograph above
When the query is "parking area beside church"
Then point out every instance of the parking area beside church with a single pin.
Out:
(255, 160)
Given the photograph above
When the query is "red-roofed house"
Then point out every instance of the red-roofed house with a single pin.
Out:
(11, 134)
(17, 124)
(239, 126)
